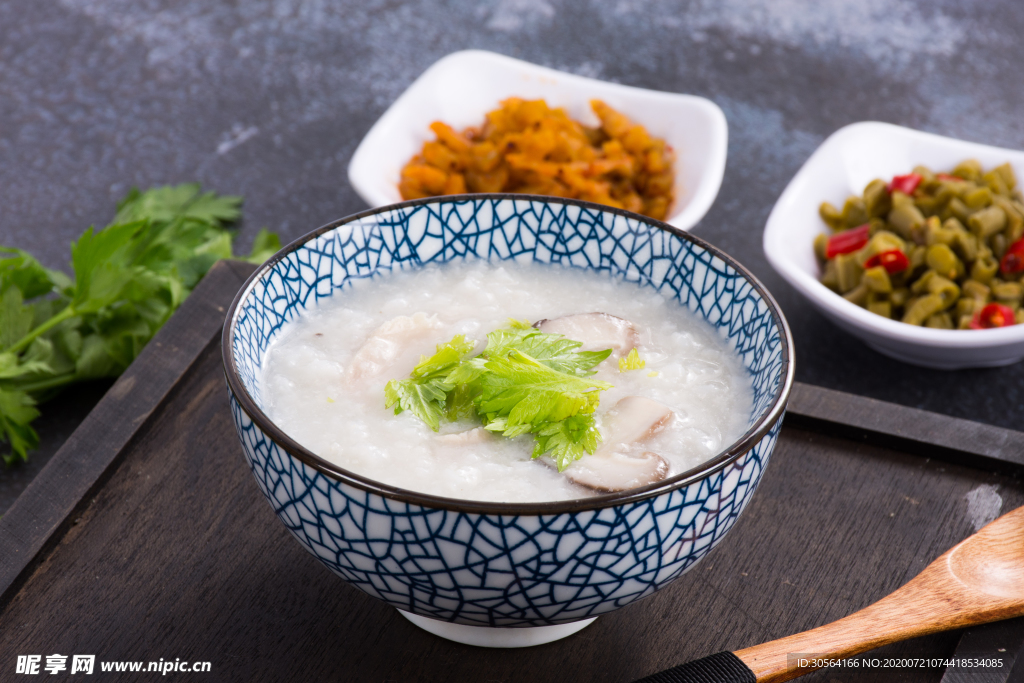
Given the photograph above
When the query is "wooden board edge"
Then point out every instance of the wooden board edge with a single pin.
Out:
(41, 513)
(915, 431)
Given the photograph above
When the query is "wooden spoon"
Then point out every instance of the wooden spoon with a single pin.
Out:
(977, 581)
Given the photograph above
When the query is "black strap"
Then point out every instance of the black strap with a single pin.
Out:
(722, 667)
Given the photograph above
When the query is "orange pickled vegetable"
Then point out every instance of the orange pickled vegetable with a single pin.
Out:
(528, 147)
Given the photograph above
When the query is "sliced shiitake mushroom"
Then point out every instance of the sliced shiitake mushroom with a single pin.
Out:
(597, 331)
(633, 420)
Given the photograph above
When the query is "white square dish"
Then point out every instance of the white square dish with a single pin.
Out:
(462, 87)
(847, 161)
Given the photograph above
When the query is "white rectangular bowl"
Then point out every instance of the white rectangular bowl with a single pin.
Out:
(847, 161)
(462, 87)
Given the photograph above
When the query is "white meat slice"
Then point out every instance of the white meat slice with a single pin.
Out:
(597, 331)
(633, 420)
(403, 338)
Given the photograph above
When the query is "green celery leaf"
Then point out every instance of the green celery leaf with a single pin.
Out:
(631, 361)
(170, 202)
(219, 245)
(39, 351)
(102, 267)
(26, 273)
(264, 246)
(69, 342)
(15, 318)
(526, 391)
(129, 279)
(425, 398)
(12, 367)
(445, 358)
(425, 393)
(210, 207)
(17, 410)
(552, 350)
(94, 360)
(467, 371)
(567, 440)
(459, 402)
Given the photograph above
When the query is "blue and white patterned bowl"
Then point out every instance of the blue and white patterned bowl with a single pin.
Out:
(506, 565)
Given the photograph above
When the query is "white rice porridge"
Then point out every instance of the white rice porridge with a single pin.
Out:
(318, 387)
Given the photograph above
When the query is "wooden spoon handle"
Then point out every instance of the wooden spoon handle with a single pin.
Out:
(935, 600)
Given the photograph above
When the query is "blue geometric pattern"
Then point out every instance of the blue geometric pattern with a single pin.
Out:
(506, 568)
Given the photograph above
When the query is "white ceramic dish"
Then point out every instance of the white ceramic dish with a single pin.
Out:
(462, 87)
(847, 161)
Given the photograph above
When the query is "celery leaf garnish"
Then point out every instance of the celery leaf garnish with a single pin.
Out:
(631, 361)
(425, 393)
(525, 381)
(129, 278)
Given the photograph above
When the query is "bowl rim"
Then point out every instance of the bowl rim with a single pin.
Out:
(730, 454)
(685, 217)
(833, 304)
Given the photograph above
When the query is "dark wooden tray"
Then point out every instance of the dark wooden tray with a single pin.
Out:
(146, 538)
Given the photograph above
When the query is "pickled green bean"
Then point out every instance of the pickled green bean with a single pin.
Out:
(882, 308)
(942, 260)
(923, 308)
(934, 242)
(968, 170)
(957, 209)
(1007, 292)
(877, 280)
(905, 220)
(848, 272)
(939, 321)
(877, 199)
(979, 198)
(858, 295)
(987, 222)
(984, 268)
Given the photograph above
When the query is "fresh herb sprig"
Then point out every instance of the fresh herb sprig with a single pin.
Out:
(525, 381)
(128, 280)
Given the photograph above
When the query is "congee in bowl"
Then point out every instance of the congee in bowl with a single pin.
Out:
(393, 374)
(325, 377)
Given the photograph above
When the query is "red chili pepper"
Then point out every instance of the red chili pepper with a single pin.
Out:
(1013, 260)
(905, 183)
(993, 315)
(893, 261)
(847, 241)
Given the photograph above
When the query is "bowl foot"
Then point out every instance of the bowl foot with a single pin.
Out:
(484, 636)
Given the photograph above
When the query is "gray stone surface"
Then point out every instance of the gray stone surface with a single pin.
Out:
(269, 98)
